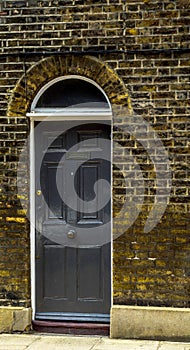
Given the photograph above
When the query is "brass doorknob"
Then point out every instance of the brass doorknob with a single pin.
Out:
(38, 192)
(71, 234)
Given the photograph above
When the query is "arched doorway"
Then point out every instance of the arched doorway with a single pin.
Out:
(70, 117)
(25, 96)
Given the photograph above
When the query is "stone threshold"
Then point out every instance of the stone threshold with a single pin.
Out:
(75, 328)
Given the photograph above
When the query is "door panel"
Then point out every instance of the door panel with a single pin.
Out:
(55, 260)
(91, 288)
(54, 202)
(92, 172)
(72, 266)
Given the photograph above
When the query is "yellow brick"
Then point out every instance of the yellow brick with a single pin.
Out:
(12, 219)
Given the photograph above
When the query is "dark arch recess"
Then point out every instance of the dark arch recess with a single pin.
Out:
(72, 92)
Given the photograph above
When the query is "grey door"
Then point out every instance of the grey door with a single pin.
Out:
(72, 221)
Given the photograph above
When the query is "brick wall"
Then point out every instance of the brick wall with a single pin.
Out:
(149, 268)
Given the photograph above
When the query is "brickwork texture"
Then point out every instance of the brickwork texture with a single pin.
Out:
(146, 44)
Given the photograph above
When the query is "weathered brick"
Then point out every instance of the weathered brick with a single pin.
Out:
(148, 266)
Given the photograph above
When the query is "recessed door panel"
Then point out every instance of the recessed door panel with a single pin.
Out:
(92, 172)
(54, 201)
(55, 272)
(90, 274)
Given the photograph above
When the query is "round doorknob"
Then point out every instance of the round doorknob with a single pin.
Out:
(71, 234)
(38, 192)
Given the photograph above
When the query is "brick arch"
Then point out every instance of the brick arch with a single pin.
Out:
(50, 68)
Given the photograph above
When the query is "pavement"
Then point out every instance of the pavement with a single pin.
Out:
(57, 342)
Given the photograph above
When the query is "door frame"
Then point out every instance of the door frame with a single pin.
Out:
(88, 115)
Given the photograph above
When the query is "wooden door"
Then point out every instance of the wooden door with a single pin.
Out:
(72, 257)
